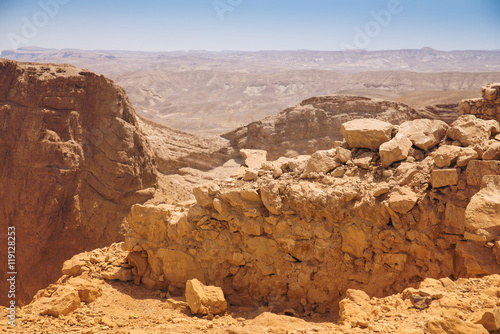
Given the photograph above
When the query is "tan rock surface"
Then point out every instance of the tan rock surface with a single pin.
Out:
(424, 133)
(366, 133)
(470, 130)
(204, 299)
(394, 150)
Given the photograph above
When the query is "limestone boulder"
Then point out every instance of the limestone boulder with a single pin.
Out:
(477, 169)
(446, 155)
(483, 211)
(354, 240)
(490, 320)
(465, 155)
(117, 273)
(322, 162)
(424, 133)
(366, 133)
(254, 158)
(204, 299)
(470, 130)
(344, 155)
(73, 266)
(355, 308)
(491, 92)
(63, 301)
(402, 200)
(444, 177)
(455, 326)
(270, 194)
(492, 151)
(395, 150)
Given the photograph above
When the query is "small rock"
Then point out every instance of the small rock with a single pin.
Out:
(493, 151)
(107, 322)
(322, 162)
(118, 273)
(204, 299)
(444, 177)
(63, 301)
(402, 200)
(490, 320)
(466, 155)
(364, 160)
(455, 326)
(344, 155)
(254, 158)
(73, 266)
(250, 175)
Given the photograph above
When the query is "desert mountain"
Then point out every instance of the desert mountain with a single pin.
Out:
(423, 60)
(215, 92)
(73, 163)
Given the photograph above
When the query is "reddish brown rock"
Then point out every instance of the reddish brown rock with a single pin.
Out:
(73, 163)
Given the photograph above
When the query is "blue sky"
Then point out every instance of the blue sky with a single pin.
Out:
(166, 25)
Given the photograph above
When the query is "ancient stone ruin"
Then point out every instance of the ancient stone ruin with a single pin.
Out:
(386, 207)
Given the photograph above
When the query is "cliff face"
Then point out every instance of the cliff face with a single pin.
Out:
(73, 163)
(387, 207)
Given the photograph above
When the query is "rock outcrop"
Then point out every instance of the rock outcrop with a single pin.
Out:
(314, 124)
(354, 221)
(73, 163)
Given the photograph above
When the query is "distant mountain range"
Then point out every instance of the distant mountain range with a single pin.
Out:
(214, 92)
(421, 60)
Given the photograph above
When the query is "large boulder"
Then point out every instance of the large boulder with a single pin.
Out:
(395, 150)
(477, 169)
(470, 130)
(366, 133)
(424, 133)
(73, 163)
(483, 211)
(446, 155)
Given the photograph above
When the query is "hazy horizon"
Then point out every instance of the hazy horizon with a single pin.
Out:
(34, 47)
(256, 25)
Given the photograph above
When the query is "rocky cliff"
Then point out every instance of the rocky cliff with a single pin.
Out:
(73, 163)
(385, 208)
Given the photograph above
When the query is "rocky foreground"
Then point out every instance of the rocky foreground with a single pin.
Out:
(91, 304)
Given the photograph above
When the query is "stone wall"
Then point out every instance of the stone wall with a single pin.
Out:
(487, 107)
(297, 233)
